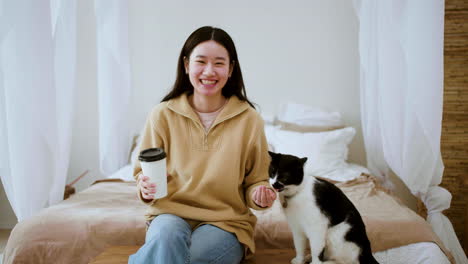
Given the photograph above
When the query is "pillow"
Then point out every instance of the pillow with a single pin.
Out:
(125, 173)
(326, 152)
(348, 172)
(303, 118)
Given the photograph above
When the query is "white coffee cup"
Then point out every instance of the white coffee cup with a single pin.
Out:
(153, 164)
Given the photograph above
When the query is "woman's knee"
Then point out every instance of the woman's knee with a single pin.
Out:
(167, 241)
(212, 245)
(168, 228)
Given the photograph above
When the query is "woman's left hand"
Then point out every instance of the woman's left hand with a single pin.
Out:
(263, 196)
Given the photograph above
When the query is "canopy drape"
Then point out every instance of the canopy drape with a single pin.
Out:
(401, 85)
(37, 86)
(114, 85)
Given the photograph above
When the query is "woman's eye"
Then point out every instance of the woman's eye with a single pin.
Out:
(201, 62)
(220, 63)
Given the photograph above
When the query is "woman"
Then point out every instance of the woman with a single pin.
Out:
(217, 160)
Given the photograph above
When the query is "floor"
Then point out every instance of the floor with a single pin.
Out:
(4, 234)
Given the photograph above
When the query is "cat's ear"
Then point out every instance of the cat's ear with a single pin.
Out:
(273, 155)
(303, 160)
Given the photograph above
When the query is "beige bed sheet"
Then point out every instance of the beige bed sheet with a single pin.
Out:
(110, 214)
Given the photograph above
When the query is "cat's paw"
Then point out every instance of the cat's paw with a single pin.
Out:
(298, 260)
(308, 258)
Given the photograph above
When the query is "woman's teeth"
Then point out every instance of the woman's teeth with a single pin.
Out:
(208, 82)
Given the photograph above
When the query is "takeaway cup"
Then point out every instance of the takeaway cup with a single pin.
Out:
(153, 164)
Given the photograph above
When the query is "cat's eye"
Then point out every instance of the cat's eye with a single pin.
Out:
(272, 170)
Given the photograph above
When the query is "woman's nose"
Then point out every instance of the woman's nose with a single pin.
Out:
(208, 70)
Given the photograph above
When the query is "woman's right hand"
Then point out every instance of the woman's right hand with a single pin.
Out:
(147, 188)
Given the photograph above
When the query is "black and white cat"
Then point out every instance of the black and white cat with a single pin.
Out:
(318, 212)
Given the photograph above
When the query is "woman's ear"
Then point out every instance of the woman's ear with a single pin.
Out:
(186, 63)
(231, 68)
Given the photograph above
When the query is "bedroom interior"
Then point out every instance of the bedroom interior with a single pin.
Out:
(145, 47)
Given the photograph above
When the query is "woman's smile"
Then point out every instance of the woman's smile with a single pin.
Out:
(209, 83)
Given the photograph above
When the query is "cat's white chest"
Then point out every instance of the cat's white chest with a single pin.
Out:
(301, 209)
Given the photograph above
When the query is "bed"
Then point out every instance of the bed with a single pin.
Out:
(109, 213)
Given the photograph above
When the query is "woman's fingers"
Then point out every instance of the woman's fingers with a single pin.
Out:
(263, 196)
(272, 195)
(147, 188)
(264, 199)
(148, 193)
(257, 196)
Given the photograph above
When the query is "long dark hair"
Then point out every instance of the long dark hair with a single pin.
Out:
(234, 85)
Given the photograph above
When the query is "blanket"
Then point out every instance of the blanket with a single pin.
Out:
(81, 227)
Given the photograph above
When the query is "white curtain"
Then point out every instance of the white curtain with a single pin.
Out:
(401, 56)
(37, 83)
(113, 84)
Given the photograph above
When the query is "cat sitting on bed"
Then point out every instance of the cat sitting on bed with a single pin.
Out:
(319, 212)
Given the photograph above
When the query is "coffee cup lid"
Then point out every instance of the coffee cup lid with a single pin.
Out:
(152, 154)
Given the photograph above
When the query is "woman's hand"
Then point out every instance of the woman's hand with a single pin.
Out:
(147, 189)
(263, 196)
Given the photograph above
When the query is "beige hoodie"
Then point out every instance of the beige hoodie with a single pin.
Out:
(211, 174)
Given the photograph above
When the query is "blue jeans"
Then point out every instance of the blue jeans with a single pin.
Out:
(170, 240)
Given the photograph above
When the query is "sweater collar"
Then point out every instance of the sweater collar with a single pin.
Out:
(233, 107)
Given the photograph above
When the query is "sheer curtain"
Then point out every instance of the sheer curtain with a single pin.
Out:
(113, 84)
(401, 55)
(37, 84)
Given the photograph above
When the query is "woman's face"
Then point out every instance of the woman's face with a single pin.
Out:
(208, 68)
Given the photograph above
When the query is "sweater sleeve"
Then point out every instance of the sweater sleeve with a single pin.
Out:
(150, 138)
(257, 165)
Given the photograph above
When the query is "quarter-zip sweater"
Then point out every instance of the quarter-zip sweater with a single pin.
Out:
(211, 174)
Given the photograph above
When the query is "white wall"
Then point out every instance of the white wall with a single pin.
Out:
(305, 51)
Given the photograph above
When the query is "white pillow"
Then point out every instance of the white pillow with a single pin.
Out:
(348, 172)
(325, 151)
(125, 173)
(308, 116)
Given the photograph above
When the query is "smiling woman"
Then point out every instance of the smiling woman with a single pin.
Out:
(217, 161)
